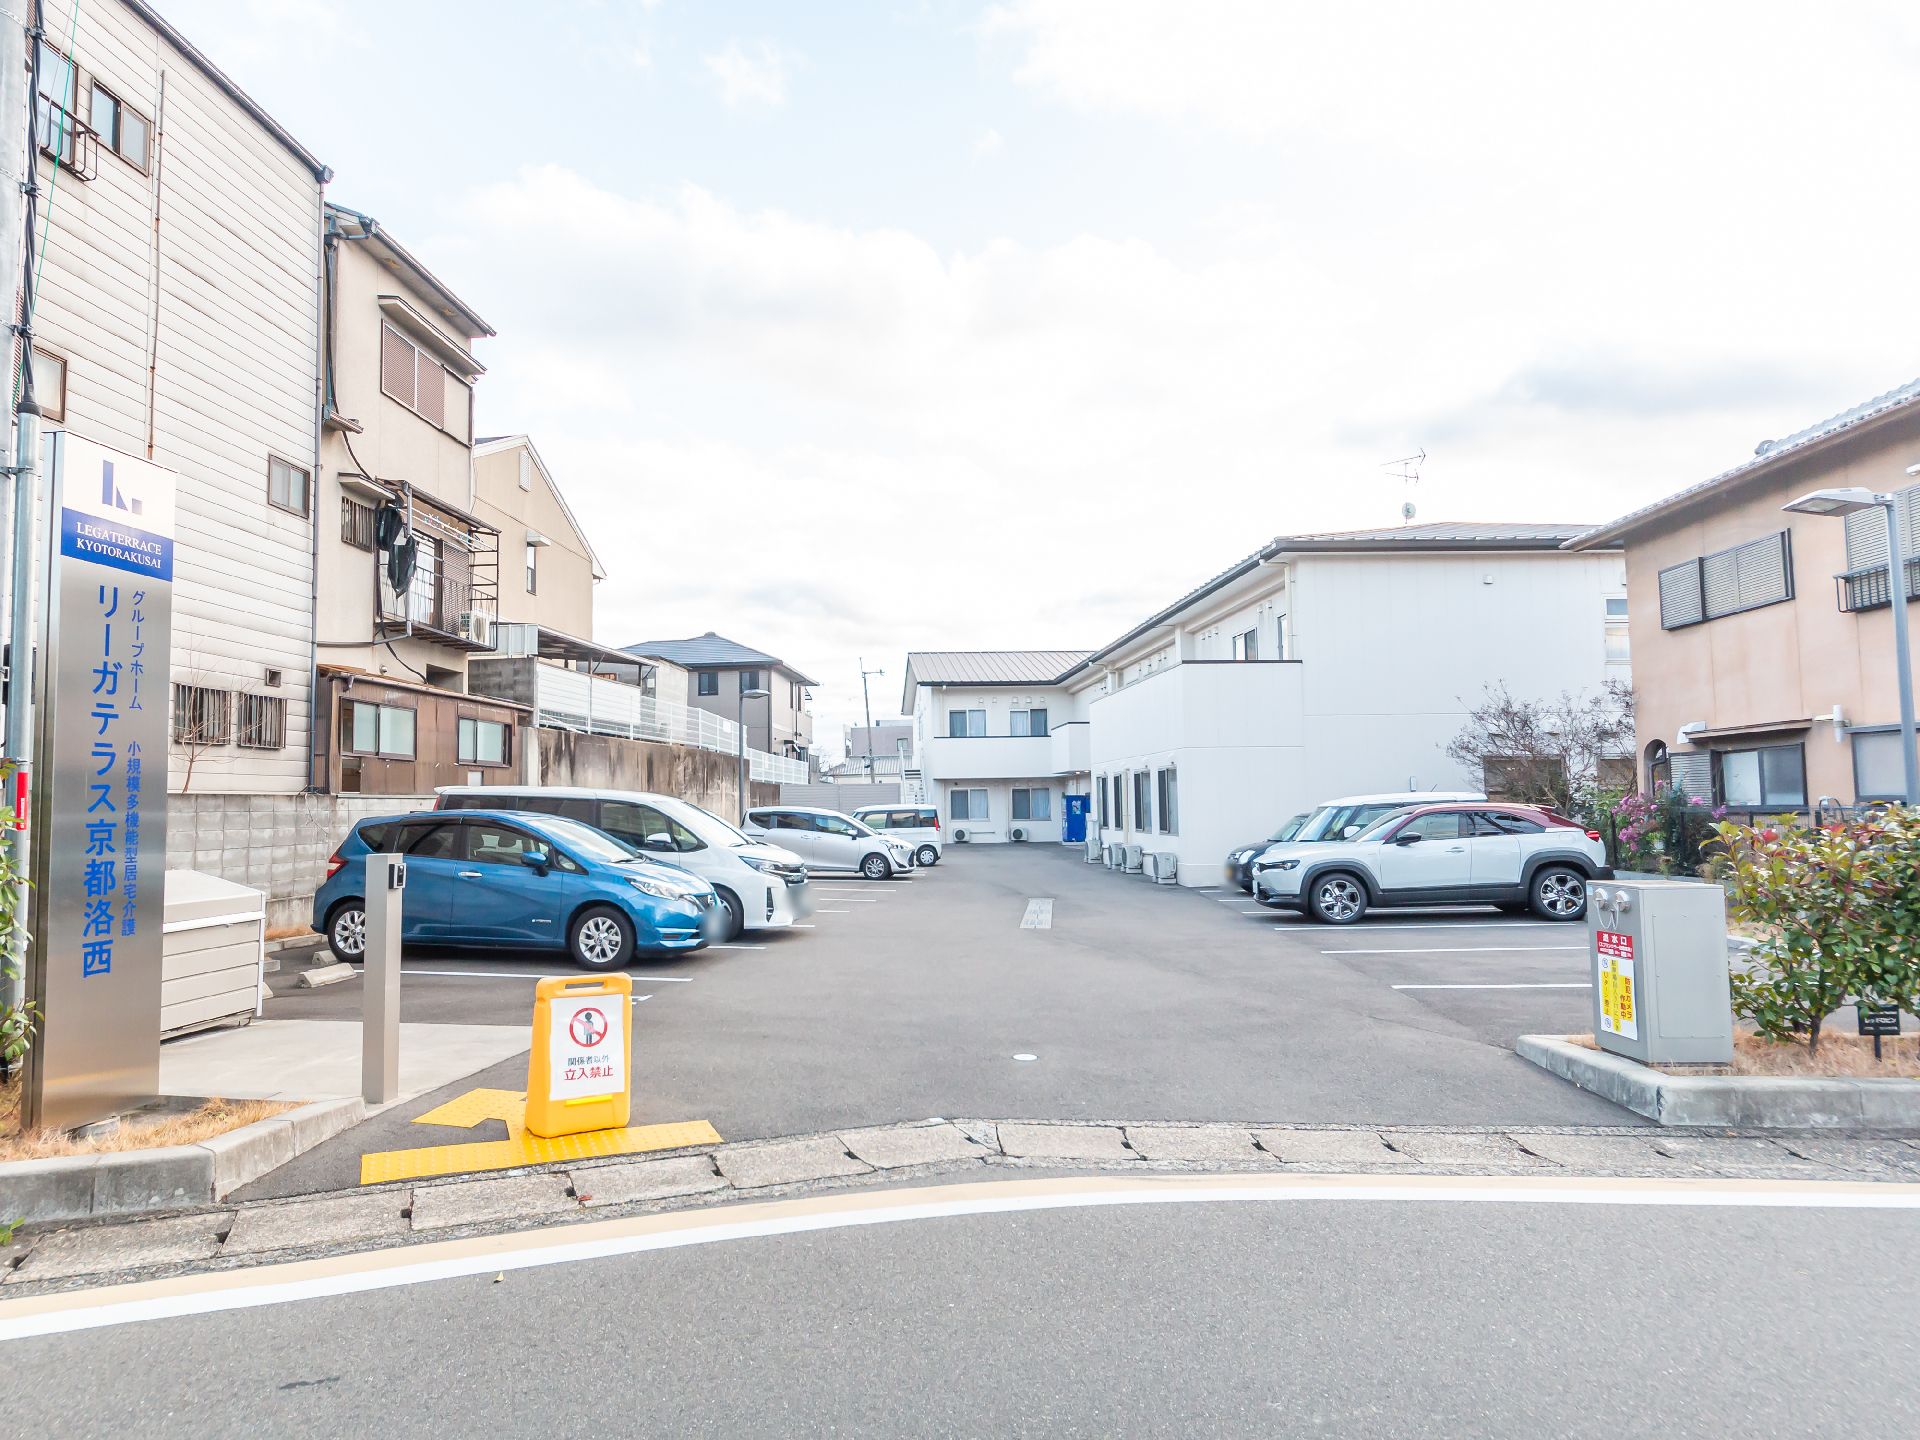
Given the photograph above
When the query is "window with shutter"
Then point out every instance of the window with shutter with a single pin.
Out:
(1680, 596)
(1720, 583)
(1763, 572)
(397, 357)
(431, 400)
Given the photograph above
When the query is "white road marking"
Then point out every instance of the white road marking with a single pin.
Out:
(856, 899)
(798, 926)
(523, 975)
(1557, 985)
(738, 947)
(1461, 950)
(219, 1291)
(1309, 927)
(822, 910)
(1039, 915)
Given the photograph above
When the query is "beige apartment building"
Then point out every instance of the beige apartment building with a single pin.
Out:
(548, 568)
(408, 576)
(1762, 641)
(718, 672)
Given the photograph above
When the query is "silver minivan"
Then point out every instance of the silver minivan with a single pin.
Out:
(829, 840)
(917, 825)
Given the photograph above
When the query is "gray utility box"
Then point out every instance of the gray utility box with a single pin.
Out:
(1658, 950)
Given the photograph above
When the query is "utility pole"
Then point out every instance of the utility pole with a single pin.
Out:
(867, 704)
(18, 463)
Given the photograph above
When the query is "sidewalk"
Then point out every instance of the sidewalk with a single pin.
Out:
(250, 1233)
(320, 1059)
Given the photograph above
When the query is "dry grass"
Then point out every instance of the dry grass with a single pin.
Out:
(216, 1117)
(1839, 1057)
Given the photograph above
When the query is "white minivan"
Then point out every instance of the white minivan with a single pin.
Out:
(917, 825)
(762, 886)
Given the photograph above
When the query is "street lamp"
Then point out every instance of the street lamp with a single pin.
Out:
(740, 716)
(1847, 500)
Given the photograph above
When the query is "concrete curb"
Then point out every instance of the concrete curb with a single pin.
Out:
(126, 1182)
(1748, 1102)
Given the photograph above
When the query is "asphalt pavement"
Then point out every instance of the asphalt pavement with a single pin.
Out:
(1640, 1314)
(914, 998)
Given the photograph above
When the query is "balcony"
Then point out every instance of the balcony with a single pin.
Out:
(453, 596)
(1866, 588)
(566, 699)
(1072, 744)
(1202, 704)
(989, 757)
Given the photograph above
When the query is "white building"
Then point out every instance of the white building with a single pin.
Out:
(1320, 665)
(178, 320)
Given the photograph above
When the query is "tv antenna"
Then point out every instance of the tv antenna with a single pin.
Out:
(1407, 471)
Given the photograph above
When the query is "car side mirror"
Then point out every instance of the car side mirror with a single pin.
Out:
(658, 841)
(1407, 839)
(536, 860)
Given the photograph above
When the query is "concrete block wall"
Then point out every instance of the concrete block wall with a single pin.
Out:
(275, 843)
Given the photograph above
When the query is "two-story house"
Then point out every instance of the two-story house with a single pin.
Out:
(175, 322)
(409, 579)
(1318, 666)
(719, 672)
(1763, 647)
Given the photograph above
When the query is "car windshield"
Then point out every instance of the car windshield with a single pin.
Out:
(1330, 822)
(1290, 830)
(709, 826)
(587, 843)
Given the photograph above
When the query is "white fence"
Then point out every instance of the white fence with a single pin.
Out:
(577, 701)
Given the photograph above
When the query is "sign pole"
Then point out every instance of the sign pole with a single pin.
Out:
(380, 1016)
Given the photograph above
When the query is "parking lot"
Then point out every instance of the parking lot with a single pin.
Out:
(954, 994)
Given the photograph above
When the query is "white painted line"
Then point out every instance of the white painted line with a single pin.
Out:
(797, 926)
(1314, 928)
(856, 899)
(523, 975)
(737, 947)
(217, 1292)
(1039, 915)
(822, 910)
(1558, 985)
(1462, 950)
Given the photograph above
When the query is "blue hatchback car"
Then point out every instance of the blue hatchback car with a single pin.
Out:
(508, 879)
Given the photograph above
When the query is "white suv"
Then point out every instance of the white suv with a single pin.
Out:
(915, 825)
(1514, 856)
(829, 840)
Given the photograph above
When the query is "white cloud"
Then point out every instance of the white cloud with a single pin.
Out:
(755, 75)
(640, 57)
(988, 143)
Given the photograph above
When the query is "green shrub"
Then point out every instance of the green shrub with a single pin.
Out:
(1839, 908)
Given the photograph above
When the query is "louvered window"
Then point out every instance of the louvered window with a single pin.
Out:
(1727, 582)
(431, 400)
(397, 357)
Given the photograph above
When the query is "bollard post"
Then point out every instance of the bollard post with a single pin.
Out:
(380, 1019)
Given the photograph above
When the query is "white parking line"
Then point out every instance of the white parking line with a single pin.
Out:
(822, 910)
(1461, 950)
(738, 947)
(856, 899)
(1558, 985)
(523, 975)
(1039, 915)
(1313, 928)
(798, 926)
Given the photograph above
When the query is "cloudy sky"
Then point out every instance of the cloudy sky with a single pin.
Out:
(857, 328)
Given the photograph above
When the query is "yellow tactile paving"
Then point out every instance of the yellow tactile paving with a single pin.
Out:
(519, 1148)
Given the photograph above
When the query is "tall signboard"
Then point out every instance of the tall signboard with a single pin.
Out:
(99, 816)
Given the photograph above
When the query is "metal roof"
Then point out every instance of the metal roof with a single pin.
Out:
(713, 652)
(991, 667)
(1765, 455)
(1439, 535)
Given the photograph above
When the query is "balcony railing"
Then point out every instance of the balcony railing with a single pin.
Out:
(574, 700)
(1866, 588)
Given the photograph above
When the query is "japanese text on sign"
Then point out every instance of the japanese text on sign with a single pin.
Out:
(1618, 1015)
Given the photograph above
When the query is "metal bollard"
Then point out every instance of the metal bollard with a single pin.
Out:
(380, 1019)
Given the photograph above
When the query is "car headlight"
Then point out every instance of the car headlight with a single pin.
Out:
(1279, 865)
(660, 889)
(762, 864)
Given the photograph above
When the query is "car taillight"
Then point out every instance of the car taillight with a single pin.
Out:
(334, 864)
(936, 824)
(1593, 834)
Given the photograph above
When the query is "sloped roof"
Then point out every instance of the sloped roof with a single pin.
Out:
(1441, 534)
(1767, 454)
(991, 667)
(488, 444)
(713, 652)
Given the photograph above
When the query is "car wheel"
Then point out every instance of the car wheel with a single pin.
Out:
(1337, 899)
(1559, 892)
(928, 855)
(601, 938)
(347, 931)
(875, 867)
(736, 921)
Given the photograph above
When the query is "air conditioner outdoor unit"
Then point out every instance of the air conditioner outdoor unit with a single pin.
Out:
(1019, 834)
(1135, 858)
(1110, 854)
(1162, 866)
(475, 626)
(959, 837)
(1096, 852)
